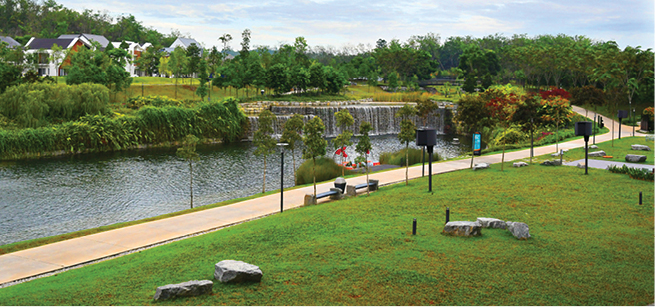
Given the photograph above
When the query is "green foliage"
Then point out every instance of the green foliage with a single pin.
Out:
(277, 78)
(38, 104)
(325, 169)
(398, 158)
(334, 80)
(392, 80)
(155, 101)
(633, 172)
(150, 125)
(188, 153)
(315, 144)
(263, 137)
(587, 95)
(512, 135)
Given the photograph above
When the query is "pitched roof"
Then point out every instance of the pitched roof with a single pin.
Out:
(188, 41)
(46, 43)
(103, 41)
(10, 41)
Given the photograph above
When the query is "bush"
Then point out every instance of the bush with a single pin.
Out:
(398, 157)
(634, 173)
(326, 169)
(514, 135)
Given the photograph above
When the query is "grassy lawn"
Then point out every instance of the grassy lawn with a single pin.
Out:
(590, 245)
(618, 151)
(604, 110)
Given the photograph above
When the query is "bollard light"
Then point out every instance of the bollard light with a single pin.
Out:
(282, 145)
(414, 228)
(447, 215)
(584, 129)
(622, 114)
(427, 137)
(640, 202)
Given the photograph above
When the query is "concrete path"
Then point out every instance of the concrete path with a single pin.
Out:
(603, 164)
(52, 258)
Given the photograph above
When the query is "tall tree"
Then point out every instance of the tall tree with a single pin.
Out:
(407, 132)
(177, 64)
(292, 134)
(344, 120)
(364, 146)
(315, 144)
(188, 153)
(263, 139)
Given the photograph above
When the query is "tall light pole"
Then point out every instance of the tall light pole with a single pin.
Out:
(633, 121)
(282, 145)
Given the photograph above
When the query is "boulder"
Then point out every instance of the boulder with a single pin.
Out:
(189, 288)
(237, 271)
(482, 165)
(519, 164)
(310, 199)
(593, 147)
(487, 222)
(640, 147)
(461, 228)
(580, 165)
(551, 163)
(635, 158)
(597, 154)
(519, 230)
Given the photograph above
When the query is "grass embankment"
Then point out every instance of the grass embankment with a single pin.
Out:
(618, 152)
(590, 245)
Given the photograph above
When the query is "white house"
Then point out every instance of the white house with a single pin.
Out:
(43, 46)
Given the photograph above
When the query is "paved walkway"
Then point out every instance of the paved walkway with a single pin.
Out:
(39, 261)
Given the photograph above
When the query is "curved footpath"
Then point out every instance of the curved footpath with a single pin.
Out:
(57, 257)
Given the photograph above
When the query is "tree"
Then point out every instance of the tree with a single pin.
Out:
(149, 61)
(372, 79)
(277, 78)
(501, 108)
(527, 116)
(193, 59)
(177, 64)
(225, 40)
(425, 107)
(407, 132)
(314, 143)
(392, 80)
(291, 134)
(264, 140)
(344, 120)
(556, 109)
(334, 80)
(317, 76)
(188, 153)
(202, 90)
(364, 146)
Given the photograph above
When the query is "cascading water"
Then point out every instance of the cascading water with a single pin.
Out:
(382, 118)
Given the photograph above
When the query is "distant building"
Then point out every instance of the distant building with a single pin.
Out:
(43, 46)
(184, 43)
(88, 39)
(11, 43)
(135, 50)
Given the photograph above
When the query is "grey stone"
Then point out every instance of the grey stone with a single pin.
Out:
(350, 190)
(580, 165)
(488, 222)
(635, 158)
(519, 230)
(551, 163)
(310, 199)
(237, 271)
(640, 147)
(593, 147)
(337, 196)
(462, 228)
(519, 164)
(599, 153)
(482, 165)
(189, 288)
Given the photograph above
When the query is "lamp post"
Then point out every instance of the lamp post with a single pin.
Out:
(633, 122)
(282, 145)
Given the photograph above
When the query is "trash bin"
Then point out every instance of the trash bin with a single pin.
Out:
(340, 183)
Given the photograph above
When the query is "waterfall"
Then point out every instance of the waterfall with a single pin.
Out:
(382, 118)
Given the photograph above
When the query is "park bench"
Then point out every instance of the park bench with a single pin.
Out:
(336, 193)
(352, 190)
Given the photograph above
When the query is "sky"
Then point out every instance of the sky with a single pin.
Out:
(349, 23)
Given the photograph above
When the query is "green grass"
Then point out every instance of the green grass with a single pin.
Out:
(621, 148)
(605, 111)
(590, 245)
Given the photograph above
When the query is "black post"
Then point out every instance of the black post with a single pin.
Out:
(447, 215)
(414, 227)
(531, 139)
(423, 170)
(282, 183)
(620, 127)
(586, 153)
(595, 129)
(640, 198)
(430, 167)
(633, 122)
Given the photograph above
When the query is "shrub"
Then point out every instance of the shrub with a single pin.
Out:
(514, 135)
(398, 157)
(633, 172)
(326, 169)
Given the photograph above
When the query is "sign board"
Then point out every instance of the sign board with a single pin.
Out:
(476, 143)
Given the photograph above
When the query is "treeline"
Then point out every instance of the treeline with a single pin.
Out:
(42, 127)
(22, 19)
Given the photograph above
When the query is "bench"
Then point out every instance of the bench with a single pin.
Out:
(333, 193)
(372, 186)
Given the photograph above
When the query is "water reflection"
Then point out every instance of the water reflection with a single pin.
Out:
(40, 198)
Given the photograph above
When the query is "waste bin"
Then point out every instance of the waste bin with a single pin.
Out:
(340, 183)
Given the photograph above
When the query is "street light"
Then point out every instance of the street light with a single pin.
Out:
(282, 145)
(633, 122)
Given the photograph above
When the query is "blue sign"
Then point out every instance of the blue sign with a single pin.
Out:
(476, 142)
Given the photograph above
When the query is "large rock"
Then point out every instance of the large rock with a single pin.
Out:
(461, 228)
(488, 222)
(599, 153)
(189, 288)
(519, 230)
(635, 158)
(551, 163)
(593, 147)
(640, 147)
(482, 165)
(519, 164)
(237, 271)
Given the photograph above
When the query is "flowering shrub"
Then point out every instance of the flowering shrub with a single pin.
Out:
(649, 111)
(555, 92)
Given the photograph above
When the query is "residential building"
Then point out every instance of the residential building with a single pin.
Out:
(11, 43)
(43, 46)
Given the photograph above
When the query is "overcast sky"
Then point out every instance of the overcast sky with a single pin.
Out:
(340, 23)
